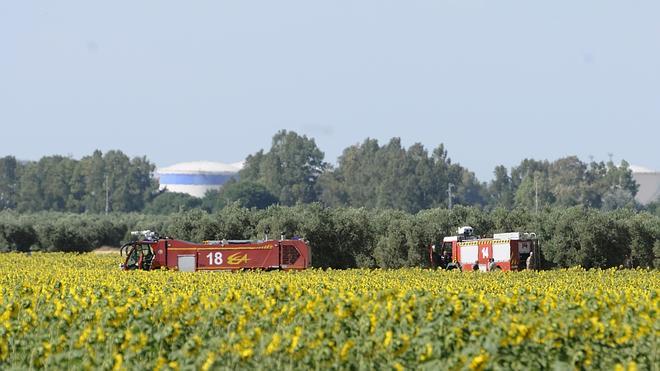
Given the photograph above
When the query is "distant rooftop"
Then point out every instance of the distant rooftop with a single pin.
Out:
(649, 184)
(201, 167)
(641, 169)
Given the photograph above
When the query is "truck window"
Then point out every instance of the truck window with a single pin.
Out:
(132, 260)
(147, 256)
(140, 257)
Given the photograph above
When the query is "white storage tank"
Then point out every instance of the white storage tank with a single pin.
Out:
(195, 178)
(649, 184)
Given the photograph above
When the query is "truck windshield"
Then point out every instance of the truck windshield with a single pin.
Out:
(140, 257)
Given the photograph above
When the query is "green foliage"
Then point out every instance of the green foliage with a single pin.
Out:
(16, 234)
(565, 182)
(246, 194)
(234, 222)
(172, 202)
(212, 201)
(58, 183)
(9, 175)
(44, 185)
(358, 237)
(617, 199)
(533, 187)
(501, 189)
(654, 208)
(293, 171)
(79, 233)
(340, 237)
(392, 177)
(644, 232)
(590, 238)
(54, 231)
(192, 226)
(81, 312)
(391, 250)
(290, 169)
(518, 219)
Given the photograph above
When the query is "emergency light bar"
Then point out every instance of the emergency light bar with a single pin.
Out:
(147, 234)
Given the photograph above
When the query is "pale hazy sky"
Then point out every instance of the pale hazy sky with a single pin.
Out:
(496, 81)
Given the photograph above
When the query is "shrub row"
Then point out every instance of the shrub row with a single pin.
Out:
(54, 231)
(359, 237)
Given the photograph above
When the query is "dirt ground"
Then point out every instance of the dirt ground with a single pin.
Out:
(106, 250)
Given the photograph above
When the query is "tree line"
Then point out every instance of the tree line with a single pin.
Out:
(411, 179)
(346, 237)
(92, 184)
(294, 171)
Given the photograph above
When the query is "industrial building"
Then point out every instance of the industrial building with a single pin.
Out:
(649, 184)
(196, 178)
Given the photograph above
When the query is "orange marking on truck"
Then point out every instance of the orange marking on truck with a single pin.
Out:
(235, 259)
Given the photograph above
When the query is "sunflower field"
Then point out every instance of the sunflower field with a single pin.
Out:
(74, 311)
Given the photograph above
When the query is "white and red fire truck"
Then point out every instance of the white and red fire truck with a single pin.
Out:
(466, 251)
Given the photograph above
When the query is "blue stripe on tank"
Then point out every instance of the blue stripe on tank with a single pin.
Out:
(195, 179)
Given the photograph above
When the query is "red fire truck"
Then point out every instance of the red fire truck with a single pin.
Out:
(149, 251)
(466, 251)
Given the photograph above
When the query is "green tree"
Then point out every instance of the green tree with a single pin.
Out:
(621, 177)
(617, 198)
(16, 234)
(391, 176)
(392, 247)
(212, 201)
(354, 182)
(585, 237)
(469, 191)
(63, 184)
(172, 202)
(567, 181)
(9, 175)
(289, 170)
(45, 185)
(129, 181)
(527, 168)
(654, 208)
(192, 226)
(518, 219)
(644, 231)
(247, 194)
(533, 186)
(611, 182)
(501, 189)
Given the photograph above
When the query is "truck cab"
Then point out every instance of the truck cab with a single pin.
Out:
(139, 256)
(141, 252)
